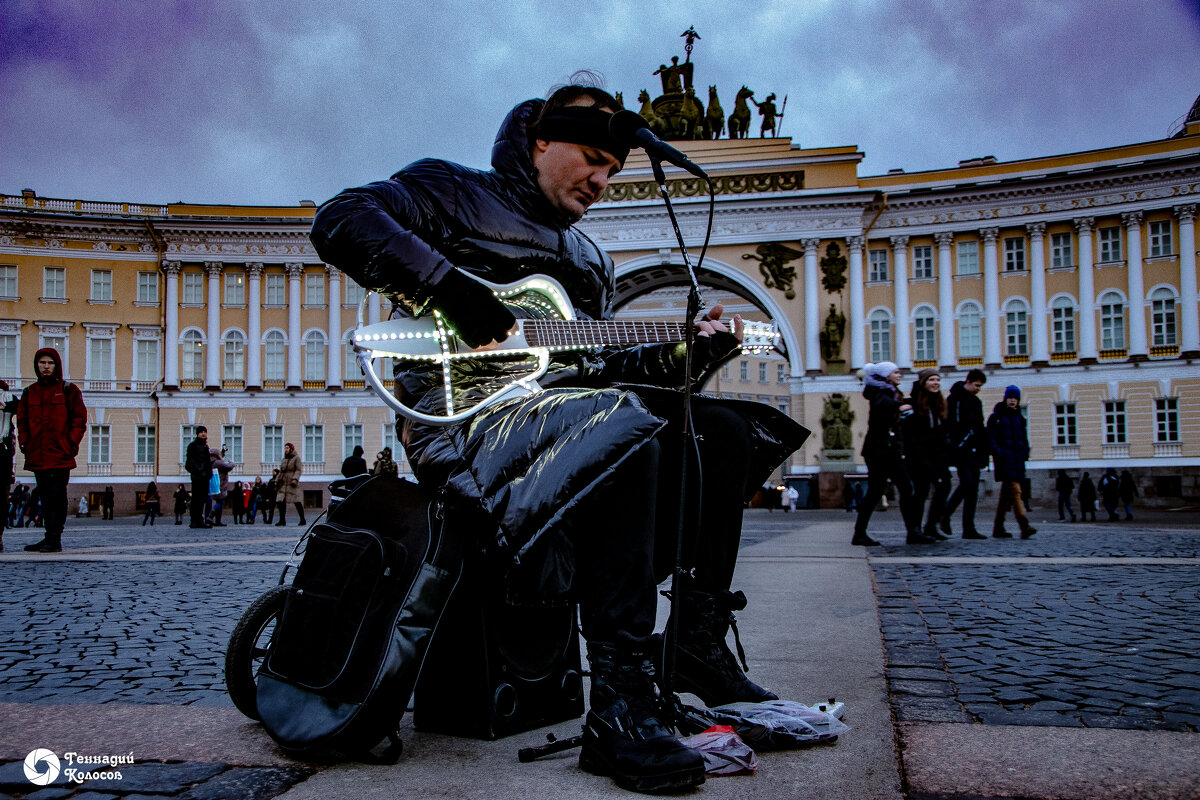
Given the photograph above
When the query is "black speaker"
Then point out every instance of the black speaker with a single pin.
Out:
(494, 668)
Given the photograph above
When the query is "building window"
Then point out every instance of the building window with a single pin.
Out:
(192, 366)
(968, 258)
(314, 356)
(101, 286)
(1160, 238)
(925, 335)
(762, 372)
(1162, 316)
(389, 439)
(970, 331)
(231, 439)
(145, 360)
(781, 372)
(99, 445)
(54, 283)
(352, 437)
(147, 287)
(1114, 422)
(922, 259)
(314, 445)
(1166, 420)
(1061, 250)
(235, 356)
(878, 265)
(8, 280)
(1062, 312)
(314, 288)
(1112, 321)
(1014, 255)
(354, 293)
(235, 288)
(881, 335)
(193, 288)
(1065, 425)
(353, 372)
(275, 289)
(1110, 244)
(744, 370)
(274, 357)
(59, 343)
(145, 443)
(8, 356)
(272, 444)
(1016, 327)
(100, 359)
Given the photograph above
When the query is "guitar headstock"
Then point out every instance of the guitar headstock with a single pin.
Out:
(759, 337)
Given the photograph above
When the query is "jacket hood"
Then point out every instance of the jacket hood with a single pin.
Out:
(58, 374)
(1002, 408)
(874, 381)
(511, 159)
(957, 388)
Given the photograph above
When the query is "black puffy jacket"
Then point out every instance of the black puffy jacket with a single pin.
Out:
(968, 435)
(526, 462)
(884, 437)
(1009, 438)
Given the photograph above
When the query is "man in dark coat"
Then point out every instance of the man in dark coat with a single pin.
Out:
(354, 464)
(51, 419)
(1009, 438)
(968, 449)
(198, 464)
(576, 478)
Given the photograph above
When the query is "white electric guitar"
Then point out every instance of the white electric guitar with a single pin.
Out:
(430, 338)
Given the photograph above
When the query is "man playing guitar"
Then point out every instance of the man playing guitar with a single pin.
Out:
(580, 480)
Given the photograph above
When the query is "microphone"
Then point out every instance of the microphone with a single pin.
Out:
(629, 127)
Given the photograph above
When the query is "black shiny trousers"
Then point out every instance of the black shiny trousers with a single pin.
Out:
(627, 545)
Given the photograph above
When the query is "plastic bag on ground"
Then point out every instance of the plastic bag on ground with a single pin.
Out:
(723, 750)
(770, 725)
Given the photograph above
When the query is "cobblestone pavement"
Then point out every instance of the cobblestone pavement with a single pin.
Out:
(1085, 625)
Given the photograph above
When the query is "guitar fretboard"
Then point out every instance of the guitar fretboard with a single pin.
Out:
(589, 333)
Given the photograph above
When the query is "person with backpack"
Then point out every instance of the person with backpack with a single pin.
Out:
(1009, 437)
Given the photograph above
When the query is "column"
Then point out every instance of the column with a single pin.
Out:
(858, 340)
(295, 272)
(1137, 288)
(992, 329)
(903, 337)
(334, 372)
(1189, 321)
(1087, 291)
(947, 353)
(254, 333)
(171, 334)
(1039, 350)
(812, 313)
(212, 361)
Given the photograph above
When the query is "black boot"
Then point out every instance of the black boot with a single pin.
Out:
(300, 511)
(625, 735)
(704, 664)
(36, 547)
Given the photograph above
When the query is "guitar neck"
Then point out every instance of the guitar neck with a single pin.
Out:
(593, 333)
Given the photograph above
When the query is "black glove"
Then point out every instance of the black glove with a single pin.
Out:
(472, 309)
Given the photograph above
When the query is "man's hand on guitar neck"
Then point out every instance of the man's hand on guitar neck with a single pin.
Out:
(711, 323)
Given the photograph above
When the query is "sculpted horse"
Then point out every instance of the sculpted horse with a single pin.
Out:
(647, 113)
(692, 115)
(714, 120)
(739, 120)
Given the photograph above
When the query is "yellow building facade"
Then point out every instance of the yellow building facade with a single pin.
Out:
(1072, 276)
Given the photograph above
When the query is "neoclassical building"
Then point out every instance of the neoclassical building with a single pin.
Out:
(1072, 276)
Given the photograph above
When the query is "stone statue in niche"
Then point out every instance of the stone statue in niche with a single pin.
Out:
(832, 333)
(833, 268)
(836, 420)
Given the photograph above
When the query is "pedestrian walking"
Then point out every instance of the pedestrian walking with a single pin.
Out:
(883, 450)
(51, 419)
(198, 464)
(218, 484)
(1087, 497)
(181, 503)
(269, 494)
(969, 449)
(1110, 493)
(1009, 438)
(1127, 488)
(254, 498)
(108, 501)
(152, 502)
(237, 502)
(927, 452)
(1064, 486)
(288, 485)
(8, 445)
(16, 508)
(354, 464)
(792, 497)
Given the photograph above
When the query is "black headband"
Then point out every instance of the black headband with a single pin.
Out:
(585, 125)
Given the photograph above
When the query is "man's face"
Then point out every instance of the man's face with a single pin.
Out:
(45, 366)
(572, 176)
(202, 435)
(1012, 402)
(972, 387)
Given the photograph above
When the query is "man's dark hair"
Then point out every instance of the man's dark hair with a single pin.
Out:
(976, 375)
(582, 84)
(200, 428)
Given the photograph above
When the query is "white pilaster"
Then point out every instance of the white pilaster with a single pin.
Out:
(1188, 299)
(858, 337)
(295, 273)
(947, 353)
(254, 327)
(212, 361)
(1137, 288)
(171, 324)
(1087, 290)
(992, 329)
(812, 322)
(333, 375)
(1040, 345)
(900, 285)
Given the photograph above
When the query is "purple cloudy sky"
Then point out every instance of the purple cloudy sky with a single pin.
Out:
(262, 102)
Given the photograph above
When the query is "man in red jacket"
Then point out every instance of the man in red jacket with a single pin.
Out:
(51, 419)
